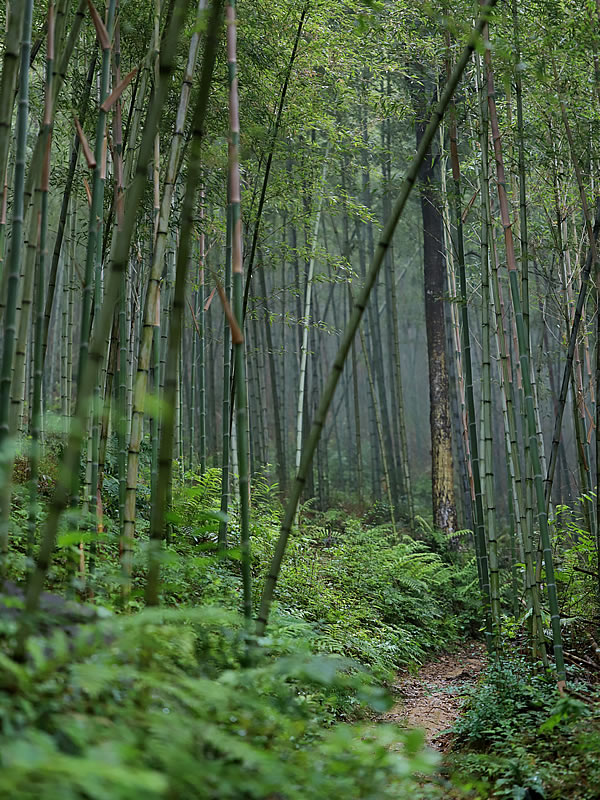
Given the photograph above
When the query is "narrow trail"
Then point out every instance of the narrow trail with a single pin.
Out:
(432, 699)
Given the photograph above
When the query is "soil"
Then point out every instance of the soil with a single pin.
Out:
(432, 699)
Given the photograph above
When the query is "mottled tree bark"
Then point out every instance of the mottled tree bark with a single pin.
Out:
(442, 474)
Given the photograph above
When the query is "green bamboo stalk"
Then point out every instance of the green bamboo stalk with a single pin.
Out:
(373, 331)
(455, 363)
(526, 378)
(241, 393)
(178, 448)
(10, 70)
(597, 436)
(111, 369)
(488, 455)
(321, 454)
(226, 413)
(398, 394)
(524, 534)
(61, 64)
(307, 312)
(524, 236)
(83, 109)
(202, 345)
(136, 429)
(149, 341)
(577, 390)
(355, 393)
(193, 381)
(70, 461)
(487, 523)
(386, 471)
(117, 358)
(485, 568)
(356, 316)
(257, 441)
(36, 410)
(64, 314)
(3, 217)
(277, 425)
(27, 278)
(580, 425)
(14, 264)
(582, 449)
(61, 11)
(71, 313)
(156, 160)
(165, 305)
(155, 426)
(357, 431)
(269, 161)
(96, 206)
(513, 523)
(119, 328)
(122, 398)
(157, 520)
(568, 370)
(282, 372)
(92, 284)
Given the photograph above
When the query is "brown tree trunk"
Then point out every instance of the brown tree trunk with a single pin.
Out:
(442, 474)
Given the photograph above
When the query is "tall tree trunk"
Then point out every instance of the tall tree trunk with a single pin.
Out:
(442, 473)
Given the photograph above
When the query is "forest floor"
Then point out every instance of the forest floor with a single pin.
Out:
(432, 699)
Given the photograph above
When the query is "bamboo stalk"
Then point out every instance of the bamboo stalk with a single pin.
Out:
(151, 314)
(226, 413)
(70, 461)
(10, 71)
(193, 179)
(269, 161)
(36, 410)
(241, 395)
(307, 312)
(523, 349)
(486, 567)
(356, 316)
(14, 261)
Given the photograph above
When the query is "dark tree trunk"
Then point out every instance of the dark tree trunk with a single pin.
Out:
(442, 473)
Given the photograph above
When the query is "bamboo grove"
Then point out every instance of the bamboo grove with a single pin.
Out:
(260, 242)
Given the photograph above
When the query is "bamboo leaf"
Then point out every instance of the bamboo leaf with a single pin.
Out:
(101, 31)
(194, 319)
(236, 333)
(118, 91)
(87, 152)
(210, 298)
(87, 191)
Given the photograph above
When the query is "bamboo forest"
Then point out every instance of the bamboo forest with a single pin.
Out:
(299, 399)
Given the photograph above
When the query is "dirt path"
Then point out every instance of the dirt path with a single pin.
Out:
(432, 699)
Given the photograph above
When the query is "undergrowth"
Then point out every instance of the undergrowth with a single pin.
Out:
(518, 739)
(170, 704)
(181, 702)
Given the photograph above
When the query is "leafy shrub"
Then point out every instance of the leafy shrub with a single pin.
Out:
(524, 741)
(160, 705)
(510, 700)
(576, 563)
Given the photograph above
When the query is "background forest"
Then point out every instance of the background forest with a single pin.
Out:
(299, 379)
